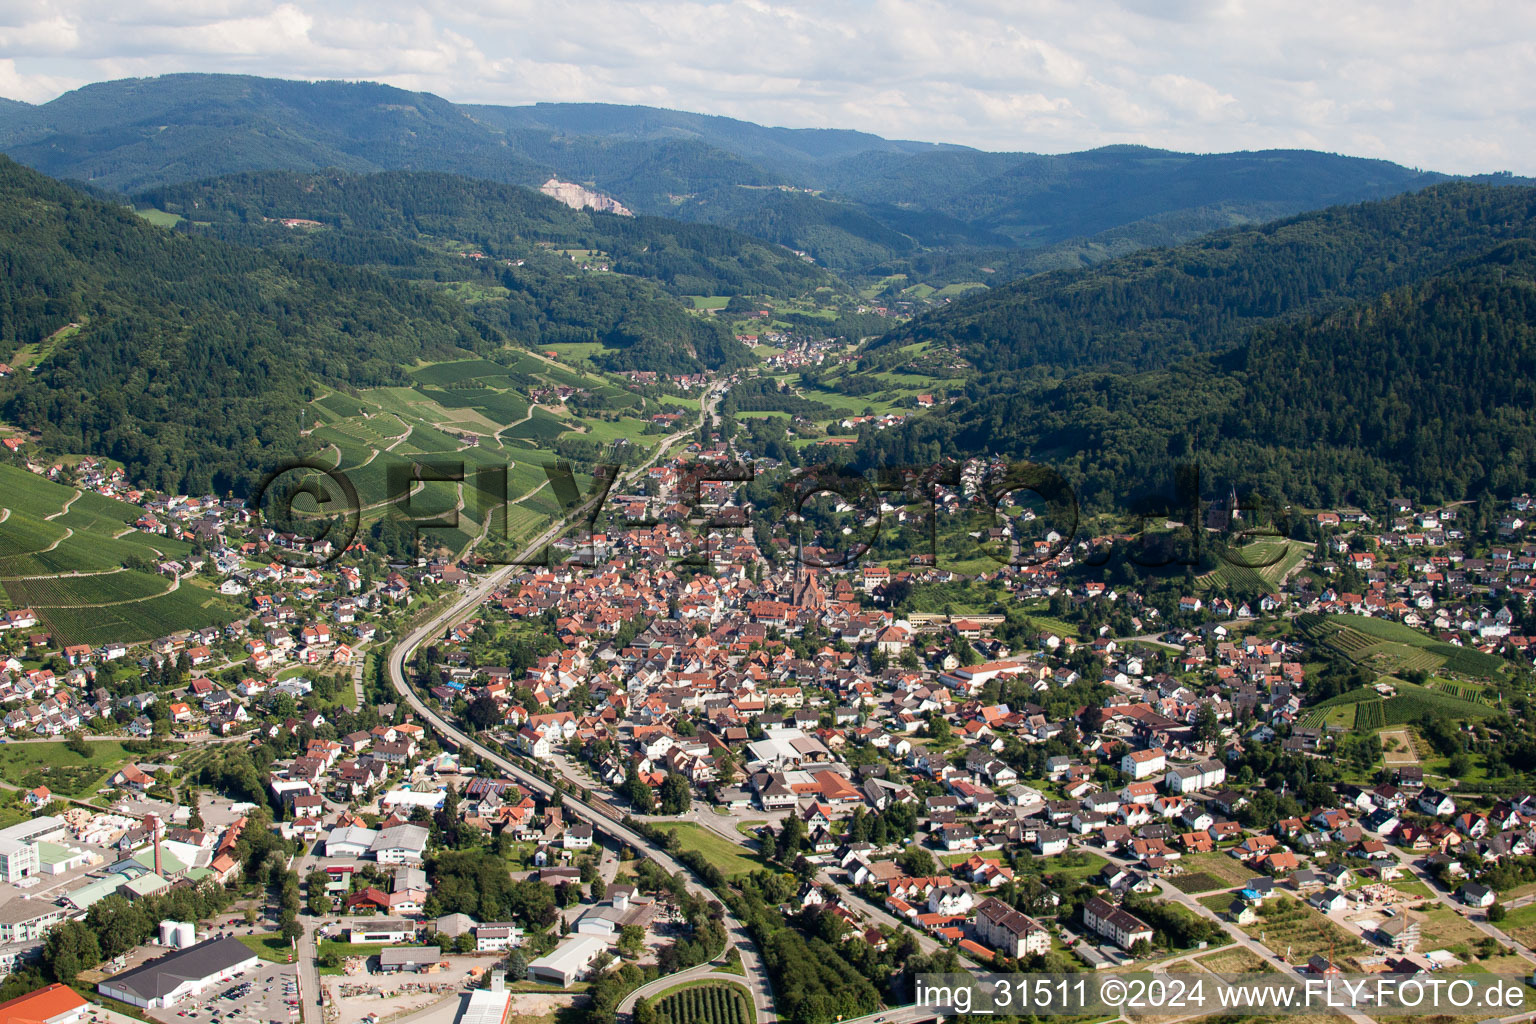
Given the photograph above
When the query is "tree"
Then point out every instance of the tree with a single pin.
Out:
(71, 948)
(1206, 725)
(1496, 913)
(599, 890)
(483, 712)
(637, 792)
(791, 839)
(676, 796)
(631, 940)
(917, 862)
(517, 964)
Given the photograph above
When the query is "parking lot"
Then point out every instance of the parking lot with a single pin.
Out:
(267, 995)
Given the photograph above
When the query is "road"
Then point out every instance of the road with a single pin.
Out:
(450, 734)
(703, 972)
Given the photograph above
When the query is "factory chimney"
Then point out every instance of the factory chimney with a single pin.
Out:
(153, 824)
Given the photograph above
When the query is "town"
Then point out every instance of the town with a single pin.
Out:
(1062, 773)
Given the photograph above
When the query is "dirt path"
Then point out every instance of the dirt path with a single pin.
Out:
(408, 428)
(64, 575)
(68, 533)
(175, 585)
(73, 498)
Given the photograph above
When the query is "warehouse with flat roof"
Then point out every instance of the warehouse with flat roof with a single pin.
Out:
(186, 972)
(411, 959)
(568, 962)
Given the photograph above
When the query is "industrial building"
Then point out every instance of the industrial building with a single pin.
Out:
(488, 1005)
(187, 972)
(410, 959)
(17, 860)
(382, 930)
(18, 845)
(623, 910)
(569, 962)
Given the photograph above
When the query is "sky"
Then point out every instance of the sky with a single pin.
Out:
(1448, 87)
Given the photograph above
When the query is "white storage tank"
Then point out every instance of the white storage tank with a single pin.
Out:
(178, 934)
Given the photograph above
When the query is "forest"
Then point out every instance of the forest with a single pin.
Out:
(1423, 390)
(1154, 308)
(856, 202)
(186, 359)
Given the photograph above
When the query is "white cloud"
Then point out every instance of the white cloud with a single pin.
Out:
(1412, 81)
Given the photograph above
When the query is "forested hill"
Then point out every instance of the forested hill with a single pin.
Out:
(1427, 391)
(503, 221)
(192, 358)
(508, 252)
(1159, 306)
(857, 202)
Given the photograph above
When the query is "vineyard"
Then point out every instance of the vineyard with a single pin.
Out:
(190, 607)
(1459, 701)
(705, 1004)
(1413, 703)
(1391, 647)
(1318, 713)
(100, 589)
(1464, 691)
(1259, 576)
(1369, 716)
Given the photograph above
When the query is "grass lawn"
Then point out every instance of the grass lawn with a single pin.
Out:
(1443, 928)
(1412, 887)
(1076, 865)
(346, 949)
(1216, 902)
(733, 860)
(1520, 924)
(59, 768)
(269, 946)
(160, 218)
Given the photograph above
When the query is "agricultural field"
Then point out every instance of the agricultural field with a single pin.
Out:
(1230, 871)
(1234, 960)
(1197, 881)
(704, 1004)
